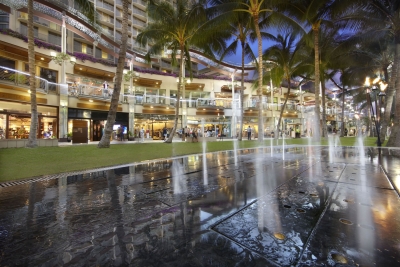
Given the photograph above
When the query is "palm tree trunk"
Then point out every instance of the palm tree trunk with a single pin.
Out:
(283, 106)
(178, 96)
(316, 130)
(241, 95)
(390, 96)
(32, 141)
(394, 139)
(323, 123)
(112, 113)
(343, 126)
(260, 79)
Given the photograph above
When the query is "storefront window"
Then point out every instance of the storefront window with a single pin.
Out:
(3, 126)
(15, 121)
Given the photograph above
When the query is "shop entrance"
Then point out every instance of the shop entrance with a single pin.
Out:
(98, 130)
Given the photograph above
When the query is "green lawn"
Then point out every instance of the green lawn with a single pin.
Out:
(19, 163)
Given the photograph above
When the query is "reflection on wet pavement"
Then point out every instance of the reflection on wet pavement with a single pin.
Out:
(302, 206)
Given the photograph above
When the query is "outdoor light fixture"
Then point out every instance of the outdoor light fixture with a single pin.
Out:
(375, 90)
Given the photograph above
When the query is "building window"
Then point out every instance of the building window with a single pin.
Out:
(24, 30)
(54, 38)
(77, 46)
(8, 63)
(4, 20)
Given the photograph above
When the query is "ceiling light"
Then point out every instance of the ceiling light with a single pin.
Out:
(41, 58)
(90, 100)
(80, 68)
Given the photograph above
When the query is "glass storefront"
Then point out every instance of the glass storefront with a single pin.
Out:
(153, 125)
(15, 121)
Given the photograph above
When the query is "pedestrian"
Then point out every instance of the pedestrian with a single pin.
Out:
(194, 136)
(119, 132)
(105, 89)
(249, 133)
(165, 133)
(187, 132)
(142, 134)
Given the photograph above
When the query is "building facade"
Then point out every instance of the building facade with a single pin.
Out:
(148, 97)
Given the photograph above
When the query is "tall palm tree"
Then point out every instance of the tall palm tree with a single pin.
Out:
(379, 19)
(265, 15)
(178, 27)
(32, 139)
(289, 61)
(112, 113)
(258, 9)
(315, 13)
(87, 8)
(242, 30)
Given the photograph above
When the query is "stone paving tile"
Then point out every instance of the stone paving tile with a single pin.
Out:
(286, 207)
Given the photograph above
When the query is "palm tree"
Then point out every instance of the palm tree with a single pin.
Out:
(178, 27)
(315, 13)
(258, 10)
(242, 30)
(265, 15)
(87, 9)
(112, 113)
(379, 19)
(32, 139)
(288, 58)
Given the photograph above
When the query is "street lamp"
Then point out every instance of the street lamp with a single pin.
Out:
(372, 90)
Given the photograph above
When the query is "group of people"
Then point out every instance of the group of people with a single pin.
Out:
(192, 133)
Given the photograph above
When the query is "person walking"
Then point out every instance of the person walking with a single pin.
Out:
(194, 135)
(142, 134)
(249, 133)
(164, 131)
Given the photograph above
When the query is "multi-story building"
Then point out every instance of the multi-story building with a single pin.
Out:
(147, 99)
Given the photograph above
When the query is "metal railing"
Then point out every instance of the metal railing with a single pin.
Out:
(214, 102)
(149, 99)
(12, 76)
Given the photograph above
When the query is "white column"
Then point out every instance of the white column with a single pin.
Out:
(133, 100)
(183, 82)
(301, 110)
(233, 121)
(272, 105)
(63, 110)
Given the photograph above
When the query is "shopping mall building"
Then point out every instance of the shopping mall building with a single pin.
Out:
(78, 91)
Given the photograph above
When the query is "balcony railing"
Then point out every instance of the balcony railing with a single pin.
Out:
(105, 5)
(12, 76)
(143, 3)
(149, 99)
(214, 102)
(91, 92)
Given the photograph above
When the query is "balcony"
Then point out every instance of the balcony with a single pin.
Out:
(152, 100)
(106, 20)
(140, 3)
(105, 7)
(20, 79)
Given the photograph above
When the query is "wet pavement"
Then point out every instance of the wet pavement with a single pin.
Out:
(298, 206)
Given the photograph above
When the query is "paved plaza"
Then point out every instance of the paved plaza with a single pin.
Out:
(271, 206)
